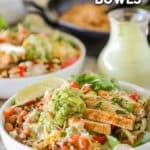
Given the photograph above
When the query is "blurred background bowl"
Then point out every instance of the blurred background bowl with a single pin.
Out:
(9, 86)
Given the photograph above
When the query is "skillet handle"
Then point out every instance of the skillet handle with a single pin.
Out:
(50, 17)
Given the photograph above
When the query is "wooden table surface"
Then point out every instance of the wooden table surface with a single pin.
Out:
(89, 66)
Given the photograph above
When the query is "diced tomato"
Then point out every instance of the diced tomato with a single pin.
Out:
(85, 88)
(64, 147)
(100, 138)
(2, 39)
(21, 70)
(23, 31)
(69, 61)
(9, 111)
(103, 94)
(29, 103)
(74, 139)
(74, 85)
(83, 143)
(135, 96)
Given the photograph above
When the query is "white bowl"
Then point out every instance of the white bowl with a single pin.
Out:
(8, 86)
(12, 144)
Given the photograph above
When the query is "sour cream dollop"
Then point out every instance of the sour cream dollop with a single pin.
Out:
(8, 48)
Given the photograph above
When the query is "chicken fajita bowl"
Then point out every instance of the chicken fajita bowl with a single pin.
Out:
(87, 112)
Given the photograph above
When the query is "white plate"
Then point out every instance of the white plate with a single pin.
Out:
(12, 144)
(8, 86)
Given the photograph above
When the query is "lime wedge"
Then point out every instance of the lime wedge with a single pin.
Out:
(37, 89)
(112, 141)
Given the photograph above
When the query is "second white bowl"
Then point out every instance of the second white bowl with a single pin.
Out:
(8, 86)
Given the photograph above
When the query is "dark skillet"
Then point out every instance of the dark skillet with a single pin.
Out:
(93, 40)
(57, 7)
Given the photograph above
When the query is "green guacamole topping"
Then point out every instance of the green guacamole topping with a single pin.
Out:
(64, 103)
(37, 48)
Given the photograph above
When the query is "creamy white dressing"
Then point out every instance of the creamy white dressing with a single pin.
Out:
(8, 48)
(126, 56)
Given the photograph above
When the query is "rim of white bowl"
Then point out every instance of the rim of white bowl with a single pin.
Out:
(82, 50)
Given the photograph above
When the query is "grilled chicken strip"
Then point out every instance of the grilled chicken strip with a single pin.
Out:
(110, 118)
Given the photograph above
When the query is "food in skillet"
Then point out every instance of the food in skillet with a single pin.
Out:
(88, 16)
(25, 54)
(87, 113)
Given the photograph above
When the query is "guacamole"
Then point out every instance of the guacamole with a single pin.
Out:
(37, 47)
(65, 103)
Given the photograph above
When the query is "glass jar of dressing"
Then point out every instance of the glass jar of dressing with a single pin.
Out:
(127, 54)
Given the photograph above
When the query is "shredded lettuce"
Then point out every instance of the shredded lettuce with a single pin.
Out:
(143, 138)
(3, 23)
(97, 82)
(37, 48)
(45, 48)
(146, 137)
(112, 141)
(128, 105)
